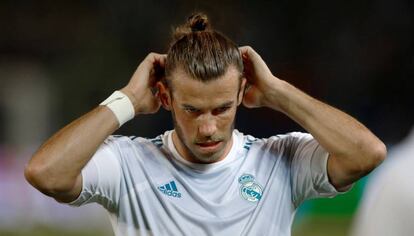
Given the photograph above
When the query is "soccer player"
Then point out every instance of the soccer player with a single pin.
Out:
(204, 177)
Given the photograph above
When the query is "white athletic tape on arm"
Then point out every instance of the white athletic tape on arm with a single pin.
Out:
(121, 106)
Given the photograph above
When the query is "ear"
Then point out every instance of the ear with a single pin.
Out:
(164, 95)
(241, 91)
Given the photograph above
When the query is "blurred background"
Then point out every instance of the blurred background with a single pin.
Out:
(59, 59)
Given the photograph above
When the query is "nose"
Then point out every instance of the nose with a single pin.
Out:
(207, 127)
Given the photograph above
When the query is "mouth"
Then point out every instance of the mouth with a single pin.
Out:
(209, 146)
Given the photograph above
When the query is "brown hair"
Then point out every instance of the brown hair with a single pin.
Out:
(200, 51)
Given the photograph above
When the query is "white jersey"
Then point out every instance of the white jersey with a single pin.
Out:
(149, 189)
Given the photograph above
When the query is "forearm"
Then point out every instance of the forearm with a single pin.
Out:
(59, 161)
(55, 169)
(340, 134)
(353, 149)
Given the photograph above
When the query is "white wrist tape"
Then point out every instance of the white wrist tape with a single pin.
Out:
(121, 106)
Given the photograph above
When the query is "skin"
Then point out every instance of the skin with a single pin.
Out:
(203, 123)
(353, 150)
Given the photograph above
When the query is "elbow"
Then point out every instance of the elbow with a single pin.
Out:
(43, 180)
(375, 156)
(345, 171)
(31, 174)
(37, 177)
(379, 153)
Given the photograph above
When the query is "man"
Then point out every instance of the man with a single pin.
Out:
(204, 177)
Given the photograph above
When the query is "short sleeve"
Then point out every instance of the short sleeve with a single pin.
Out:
(308, 168)
(101, 178)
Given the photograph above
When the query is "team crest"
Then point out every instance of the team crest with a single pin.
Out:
(249, 189)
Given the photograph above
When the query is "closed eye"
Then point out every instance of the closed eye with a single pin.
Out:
(220, 110)
(191, 110)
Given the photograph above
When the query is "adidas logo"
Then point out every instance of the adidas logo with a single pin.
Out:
(170, 189)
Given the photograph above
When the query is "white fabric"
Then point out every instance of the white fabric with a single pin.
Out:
(121, 106)
(387, 205)
(255, 190)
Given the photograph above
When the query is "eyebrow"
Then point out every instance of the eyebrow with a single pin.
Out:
(226, 104)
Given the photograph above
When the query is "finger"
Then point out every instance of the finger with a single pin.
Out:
(161, 59)
(155, 58)
(246, 51)
(247, 56)
(159, 72)
(158, 58)
(158, 67)
(249, 53)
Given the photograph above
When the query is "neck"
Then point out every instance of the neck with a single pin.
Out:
(188, 156)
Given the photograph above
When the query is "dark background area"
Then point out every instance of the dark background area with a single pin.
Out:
(354, 55)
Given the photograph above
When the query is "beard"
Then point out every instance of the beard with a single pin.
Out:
(199, 157)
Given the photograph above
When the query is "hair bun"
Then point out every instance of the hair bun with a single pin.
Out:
(198, 22)
(195, 23)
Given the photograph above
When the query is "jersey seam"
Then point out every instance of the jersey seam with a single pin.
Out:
(111, 203)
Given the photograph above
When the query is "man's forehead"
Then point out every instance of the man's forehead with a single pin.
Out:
(187, 90)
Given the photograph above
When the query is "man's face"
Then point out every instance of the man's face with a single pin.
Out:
(203, 114)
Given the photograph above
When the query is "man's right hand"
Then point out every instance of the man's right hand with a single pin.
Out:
(55, 169)
(141, 87)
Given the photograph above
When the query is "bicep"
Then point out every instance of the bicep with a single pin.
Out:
(340, 173)
(72, 194)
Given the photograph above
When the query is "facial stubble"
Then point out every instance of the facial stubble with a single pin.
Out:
(201, 158)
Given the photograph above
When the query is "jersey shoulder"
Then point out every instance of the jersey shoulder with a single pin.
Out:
(129, 148)
(275, 140)
(123, 141)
